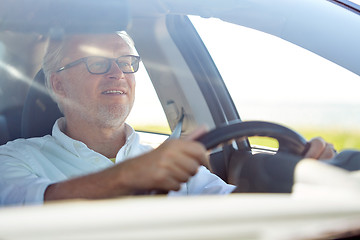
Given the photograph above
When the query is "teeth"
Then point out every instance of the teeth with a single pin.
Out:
(114, 92)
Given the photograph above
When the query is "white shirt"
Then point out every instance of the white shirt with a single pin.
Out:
(29, 166)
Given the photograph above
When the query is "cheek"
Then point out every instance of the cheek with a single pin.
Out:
(71, 87)
(132, 83)
(77, 84)
(133, 87)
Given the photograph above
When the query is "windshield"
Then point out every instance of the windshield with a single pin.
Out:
(311, 95)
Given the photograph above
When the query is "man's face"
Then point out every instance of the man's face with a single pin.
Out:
(104, 99)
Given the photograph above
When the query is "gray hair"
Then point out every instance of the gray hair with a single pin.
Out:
(55, 53)
(51, 62)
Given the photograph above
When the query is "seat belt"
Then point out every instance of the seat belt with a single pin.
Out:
(178, 128)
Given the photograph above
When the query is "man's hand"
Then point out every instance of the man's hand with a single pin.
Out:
(319, 149)
(164, 168)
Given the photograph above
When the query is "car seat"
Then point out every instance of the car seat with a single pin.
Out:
(40, 111)
(4, 132)
(10, 121)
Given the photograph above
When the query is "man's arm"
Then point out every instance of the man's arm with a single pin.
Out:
(164, 168)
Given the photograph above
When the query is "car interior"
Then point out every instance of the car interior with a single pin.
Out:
(185, 83)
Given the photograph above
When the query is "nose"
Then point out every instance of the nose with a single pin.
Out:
(115, 71)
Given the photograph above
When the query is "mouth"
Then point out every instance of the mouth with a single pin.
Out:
(116, 92)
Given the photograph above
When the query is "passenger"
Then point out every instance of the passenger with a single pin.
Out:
(92, 153)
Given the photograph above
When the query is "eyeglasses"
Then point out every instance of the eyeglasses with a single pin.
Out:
(102, 65)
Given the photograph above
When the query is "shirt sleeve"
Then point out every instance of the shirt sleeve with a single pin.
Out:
(19, 185)
(204, 182)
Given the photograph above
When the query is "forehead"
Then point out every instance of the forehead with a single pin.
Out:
(109, 45)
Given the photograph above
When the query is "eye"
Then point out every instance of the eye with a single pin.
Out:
(128, 64)
(124, 66)
(97, 64)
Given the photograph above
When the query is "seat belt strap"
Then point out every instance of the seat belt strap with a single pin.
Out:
(178, 128)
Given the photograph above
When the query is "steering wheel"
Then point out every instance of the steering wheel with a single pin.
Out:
(259, 172)
(289, 140)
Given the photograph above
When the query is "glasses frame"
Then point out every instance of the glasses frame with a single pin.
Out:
(85, 59)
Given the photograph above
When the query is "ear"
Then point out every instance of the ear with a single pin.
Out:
(57, 85)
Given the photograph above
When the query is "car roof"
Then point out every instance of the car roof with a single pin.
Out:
(319, 26)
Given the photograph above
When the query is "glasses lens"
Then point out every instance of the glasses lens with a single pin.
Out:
(98, 65)
(128, 64)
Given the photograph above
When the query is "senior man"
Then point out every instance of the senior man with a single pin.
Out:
(92, 153)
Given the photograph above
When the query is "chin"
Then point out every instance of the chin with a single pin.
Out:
(113, 119)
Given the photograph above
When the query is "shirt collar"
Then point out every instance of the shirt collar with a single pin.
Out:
(76, 147)
(67, 142)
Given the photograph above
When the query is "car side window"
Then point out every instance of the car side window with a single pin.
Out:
(273, 80)
(147, 116)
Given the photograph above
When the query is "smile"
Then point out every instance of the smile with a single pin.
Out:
(113, 92)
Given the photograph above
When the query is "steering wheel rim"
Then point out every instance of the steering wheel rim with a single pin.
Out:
(289, 140)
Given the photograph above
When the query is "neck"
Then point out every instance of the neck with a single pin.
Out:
(104, 140)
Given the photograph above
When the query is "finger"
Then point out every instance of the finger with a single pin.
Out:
(329, 152)
(189, 149)
(180, 171)
(165, 176)
(198, 152)
(187, 165)
(197, 133)
(186, 159)
(317, 146)
(179, 159)
(170, 185)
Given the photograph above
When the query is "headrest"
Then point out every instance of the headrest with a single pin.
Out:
(40, 111)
